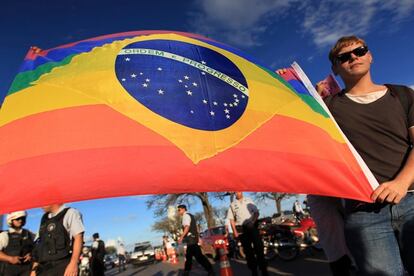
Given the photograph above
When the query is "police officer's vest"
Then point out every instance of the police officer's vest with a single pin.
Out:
(99, 253)
(19, 243)
(192, 235)
(54, 241)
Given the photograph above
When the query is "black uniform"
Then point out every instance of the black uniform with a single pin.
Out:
(193, 249)
(54, 250)
(20, 244)
(98, 254)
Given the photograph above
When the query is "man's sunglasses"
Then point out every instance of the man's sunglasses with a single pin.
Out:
(20, 218)
(359, 52)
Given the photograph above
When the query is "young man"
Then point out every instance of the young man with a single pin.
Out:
(378, 120)
(98, 254)
(16, 246)
(60, 242)
(243, 215)
(190, 236)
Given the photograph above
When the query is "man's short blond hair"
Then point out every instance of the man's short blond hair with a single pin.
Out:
(344, 42)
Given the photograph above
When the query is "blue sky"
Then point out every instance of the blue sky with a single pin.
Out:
(274, 32)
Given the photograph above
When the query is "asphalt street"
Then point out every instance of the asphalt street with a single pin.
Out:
(307, 264)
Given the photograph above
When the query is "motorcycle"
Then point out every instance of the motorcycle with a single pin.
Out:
(84, 265)
(278, 240)
(304, 229)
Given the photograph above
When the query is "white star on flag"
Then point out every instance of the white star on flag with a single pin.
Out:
(127, 59)
(186, 77)
(189, 93)
(159, 69)
(204, 101)
(195, 84)
(203, 62)
(147, 80)
(144, 85)
(161, 92)
(212, 113)
(133, 76)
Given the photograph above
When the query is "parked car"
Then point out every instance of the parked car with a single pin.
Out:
(143, 253)
(109, 261)
(210, 238)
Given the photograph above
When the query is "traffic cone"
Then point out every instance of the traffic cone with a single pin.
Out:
(174, 259)
(225, 268)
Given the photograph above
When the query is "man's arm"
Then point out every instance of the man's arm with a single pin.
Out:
(254, 212)
(395, 190)
(72, 268)
(185, 232)
(233, 227)
(10, 259)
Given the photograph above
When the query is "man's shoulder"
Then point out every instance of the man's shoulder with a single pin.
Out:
(401, 90)
(29, 233)
(399, 87)
(73, 213)
(186, 216)
(329, 98)
(248, 200)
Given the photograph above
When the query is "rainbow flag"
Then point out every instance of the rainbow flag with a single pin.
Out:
(153, 112)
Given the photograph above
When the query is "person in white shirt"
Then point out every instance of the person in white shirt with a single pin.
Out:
(190, 236)
(243, 215)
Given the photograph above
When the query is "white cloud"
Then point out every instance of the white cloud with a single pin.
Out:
(412, 86)
(330, 19)
(243, 22)
(238, 22)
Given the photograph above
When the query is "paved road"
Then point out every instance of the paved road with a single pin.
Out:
(308, 264)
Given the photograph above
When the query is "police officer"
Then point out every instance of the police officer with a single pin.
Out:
(98, 254)
(243, 215)
(190, 236)
(16, 246)
(60, 242)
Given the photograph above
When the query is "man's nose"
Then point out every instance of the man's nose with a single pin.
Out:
(353, 57)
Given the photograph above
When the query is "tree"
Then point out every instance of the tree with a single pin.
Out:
(277, 197)
(110, 249)
(160, 204)
(221, 215)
